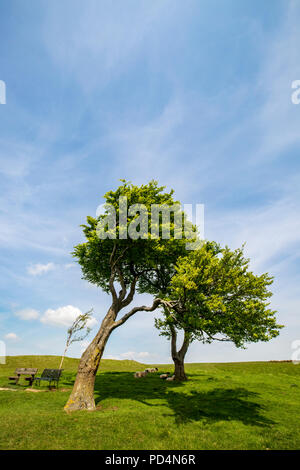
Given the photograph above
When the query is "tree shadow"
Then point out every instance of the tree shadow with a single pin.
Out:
(218, 404)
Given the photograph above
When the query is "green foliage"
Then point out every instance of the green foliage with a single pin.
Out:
(214, 295)
(148, 259)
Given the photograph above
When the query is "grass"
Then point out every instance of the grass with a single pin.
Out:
(222, 406)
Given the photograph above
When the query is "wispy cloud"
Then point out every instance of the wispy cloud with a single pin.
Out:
(70, 265)
(27, 314)
(270, 232)
(12, 337)
(132, 356)
(38, 269)
(98, 42)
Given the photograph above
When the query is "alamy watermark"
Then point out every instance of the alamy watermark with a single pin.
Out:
(295, 96)
(296, 354)
(2, 92)
(165, 221)
(2, 352)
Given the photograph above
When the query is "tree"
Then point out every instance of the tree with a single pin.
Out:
(215, 296)
(78, 326)
(125, 254)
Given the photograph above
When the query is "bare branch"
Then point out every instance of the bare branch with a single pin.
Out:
(173, 341)
(78, 331)
(143, 308)
(123, 290)
(112, 275)
(173, 306)
(212, 338)
(115, 269)
(119, 257)
(185, 344)
(169, 305)
(112, 287)
(112, 254)
(131, 293)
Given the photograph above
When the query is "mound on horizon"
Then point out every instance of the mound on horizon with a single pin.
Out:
(52, 362)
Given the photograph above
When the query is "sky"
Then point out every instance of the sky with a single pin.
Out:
(195, 94)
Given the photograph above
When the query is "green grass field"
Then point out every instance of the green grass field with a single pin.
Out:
(222, 406)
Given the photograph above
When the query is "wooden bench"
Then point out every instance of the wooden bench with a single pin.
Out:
(24, 371)
(49, 375)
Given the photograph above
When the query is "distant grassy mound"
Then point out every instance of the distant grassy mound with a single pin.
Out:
(251, 405)
(69, 364)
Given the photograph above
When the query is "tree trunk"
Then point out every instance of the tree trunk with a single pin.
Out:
(178, 356)
(82, 396)
(62, 358)
(179, 369)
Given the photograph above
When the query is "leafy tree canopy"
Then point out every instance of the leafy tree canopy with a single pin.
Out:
(146, 261)
(214, 295)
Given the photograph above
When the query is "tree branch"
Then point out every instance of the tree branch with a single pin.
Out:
(212, 338)
(115, 269)
(185, 344)
(112, 255)
(112, 275)
(123, 285)
(173, 341)
(131, 293)
(143, 308)
(120, 256)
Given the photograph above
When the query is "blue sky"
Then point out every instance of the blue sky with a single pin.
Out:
(196, 94)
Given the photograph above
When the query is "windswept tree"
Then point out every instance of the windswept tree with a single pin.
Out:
(126, 251)
(78, 331)
(215, 296)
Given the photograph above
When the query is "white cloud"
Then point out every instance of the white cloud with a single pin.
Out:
(64, 316)
(27, 314)
(38, 269)
(70, 265)
(131, 355)
(11, 336)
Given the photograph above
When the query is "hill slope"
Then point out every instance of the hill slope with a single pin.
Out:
(70, 364)
(222, 406)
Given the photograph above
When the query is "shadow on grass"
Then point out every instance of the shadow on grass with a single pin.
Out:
(218, 404)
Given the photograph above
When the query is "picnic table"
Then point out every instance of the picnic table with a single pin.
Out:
(24, 371)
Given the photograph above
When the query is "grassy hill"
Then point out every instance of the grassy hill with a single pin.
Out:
(69, 365)
(251, 405)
